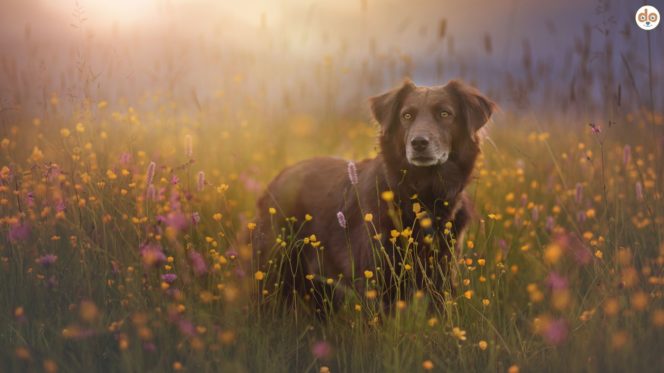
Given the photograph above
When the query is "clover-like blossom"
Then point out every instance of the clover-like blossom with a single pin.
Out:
(342, 219)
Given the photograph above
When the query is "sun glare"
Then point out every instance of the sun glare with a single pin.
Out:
(116, 11)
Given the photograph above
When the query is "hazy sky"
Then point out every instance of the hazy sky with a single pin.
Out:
(304, 23)
(254, 37)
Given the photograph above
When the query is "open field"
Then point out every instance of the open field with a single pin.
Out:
(125, 212)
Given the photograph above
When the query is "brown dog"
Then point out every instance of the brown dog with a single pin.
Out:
(428, 145)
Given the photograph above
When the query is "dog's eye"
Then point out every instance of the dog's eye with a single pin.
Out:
(407, 116)
(444, 114)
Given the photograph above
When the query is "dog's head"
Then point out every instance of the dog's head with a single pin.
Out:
(431, 121)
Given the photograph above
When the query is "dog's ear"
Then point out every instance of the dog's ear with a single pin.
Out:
(476, 109)
(385, 107)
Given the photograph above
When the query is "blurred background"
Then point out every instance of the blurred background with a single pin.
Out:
(326, 57)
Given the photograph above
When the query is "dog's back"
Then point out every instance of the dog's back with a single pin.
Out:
(301, 206)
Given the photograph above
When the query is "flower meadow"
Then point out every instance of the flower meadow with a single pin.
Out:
(124, 248)
(126, 223)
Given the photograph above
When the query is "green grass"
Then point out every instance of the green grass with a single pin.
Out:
(548, 201)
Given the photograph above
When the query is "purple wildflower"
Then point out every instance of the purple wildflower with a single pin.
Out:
(321, 350)
(581, 216)
(175, 180)
(639, 191)
(161, 194)
(575, 247)
(169, 277)
(250, 184)
(232, 254)
(627, 155)
(342, 219)
(240, 272)
(151, 193)
(19, 232)
(595, 128)
(201, 181)
(30, 199)
(195, 218)
(556, 281)
(198, 263)
(149, 347)
(186, 327)
(176, 220)
(174, 200)
(582, 255)
(53, 173)
(115, 267)
(502, 245)
(556, 332)
(52, 282)
(60, 206)
(125, 158)
(46, 260)
(579, 193)
(150, 175)
(534, 214)
(550, 223)
(352, 173)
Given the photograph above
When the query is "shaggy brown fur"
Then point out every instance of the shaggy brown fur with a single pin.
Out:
(433, 127)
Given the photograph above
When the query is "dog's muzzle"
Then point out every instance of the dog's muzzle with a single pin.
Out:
(422, 152)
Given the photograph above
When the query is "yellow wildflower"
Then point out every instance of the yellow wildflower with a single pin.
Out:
(387, 196)
(427, 365)
(459, 334)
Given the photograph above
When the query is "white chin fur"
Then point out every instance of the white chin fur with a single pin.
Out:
(427, 163)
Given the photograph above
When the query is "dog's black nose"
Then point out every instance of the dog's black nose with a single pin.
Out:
(419, 143)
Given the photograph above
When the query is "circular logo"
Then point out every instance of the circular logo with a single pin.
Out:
(647, 17)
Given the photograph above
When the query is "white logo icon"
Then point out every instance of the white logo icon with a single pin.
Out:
(647, 17)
